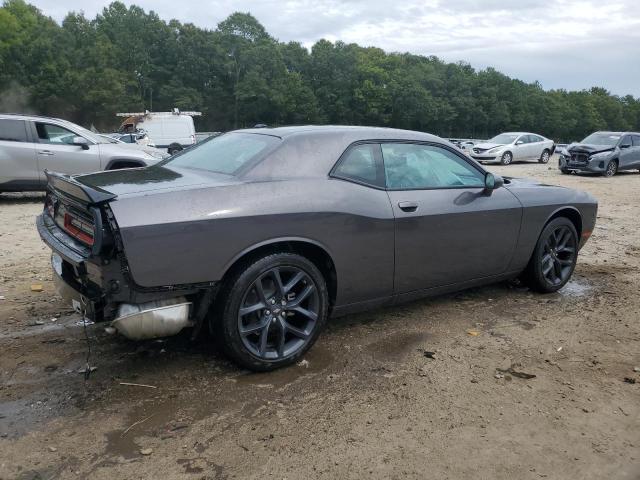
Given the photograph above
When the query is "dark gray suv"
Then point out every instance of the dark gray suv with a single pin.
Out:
(602, 152)
(31, 144)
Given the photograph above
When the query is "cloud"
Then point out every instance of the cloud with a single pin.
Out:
(571, 44)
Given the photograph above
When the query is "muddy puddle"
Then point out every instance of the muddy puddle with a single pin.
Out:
(212, 396)
(395, 347)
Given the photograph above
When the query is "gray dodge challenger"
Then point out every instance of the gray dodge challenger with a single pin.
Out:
(262, 234)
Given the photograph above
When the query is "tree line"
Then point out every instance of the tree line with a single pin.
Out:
(126, 59)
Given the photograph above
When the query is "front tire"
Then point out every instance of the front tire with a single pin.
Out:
(271, 311)
(554, 257)
(544, 158)
(612, 169)
(506, 158)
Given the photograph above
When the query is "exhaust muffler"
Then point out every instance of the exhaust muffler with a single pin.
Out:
(160, 318)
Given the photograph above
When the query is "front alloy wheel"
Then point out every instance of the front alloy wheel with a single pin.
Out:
(506, 158)
(271, 311)
(559, 255)
(612, 169)
(554, 257)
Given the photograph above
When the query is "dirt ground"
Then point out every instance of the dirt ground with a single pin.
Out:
(365, 403)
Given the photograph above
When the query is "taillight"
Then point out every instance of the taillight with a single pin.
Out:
(78, 228)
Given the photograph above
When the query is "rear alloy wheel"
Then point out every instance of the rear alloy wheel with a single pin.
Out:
(273, 312)
(506, 158)
(544, 158)
(612, 169)
(554, 257)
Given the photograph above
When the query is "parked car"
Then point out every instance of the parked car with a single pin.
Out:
(149, 148)
(510, 146)
(172, 131)
(465, 145)
(136, 138)
(31, 144)
(264, 233)
(605, 153)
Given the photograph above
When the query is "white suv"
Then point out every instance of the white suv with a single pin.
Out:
(30, 144)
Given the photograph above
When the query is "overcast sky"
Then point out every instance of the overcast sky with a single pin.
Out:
(571, 44)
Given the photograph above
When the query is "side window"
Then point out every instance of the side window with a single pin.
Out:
(524, 139)
(13, 130)
(415, 166)
(534, 139)
(626, 141)
(636, 140)
(49, 133)
(360, 164)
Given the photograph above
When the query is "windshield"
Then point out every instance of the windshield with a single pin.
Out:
(608, 139)
(226, 153)
(503, 138)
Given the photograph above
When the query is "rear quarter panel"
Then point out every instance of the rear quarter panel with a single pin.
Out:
(195, 235)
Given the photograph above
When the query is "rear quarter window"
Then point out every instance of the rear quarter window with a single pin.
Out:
(13, 130)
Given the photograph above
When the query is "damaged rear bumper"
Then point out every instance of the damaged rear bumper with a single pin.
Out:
(100, 289)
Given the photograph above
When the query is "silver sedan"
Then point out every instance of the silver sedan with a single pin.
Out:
(510, 146)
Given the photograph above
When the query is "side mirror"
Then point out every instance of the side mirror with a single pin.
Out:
(519, 142)
(626, 145)
(80, 142)
(491, 182)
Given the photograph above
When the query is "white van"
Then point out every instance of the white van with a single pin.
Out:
(171, 130)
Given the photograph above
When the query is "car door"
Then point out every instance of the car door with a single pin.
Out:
(55, 150)
(448, 229)
(625, 159)
(635, 147)
(535, 147)
(520, 147)
(18, 165)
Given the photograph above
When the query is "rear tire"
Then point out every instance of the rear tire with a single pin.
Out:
(544, 158)
(554, 257)
(271, 311)
(174, 148)
(506, 159)
(611, 170)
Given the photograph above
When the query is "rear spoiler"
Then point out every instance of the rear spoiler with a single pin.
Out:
(70, 186)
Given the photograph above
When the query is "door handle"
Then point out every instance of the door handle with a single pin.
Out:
(408, 206)
(45, 152)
